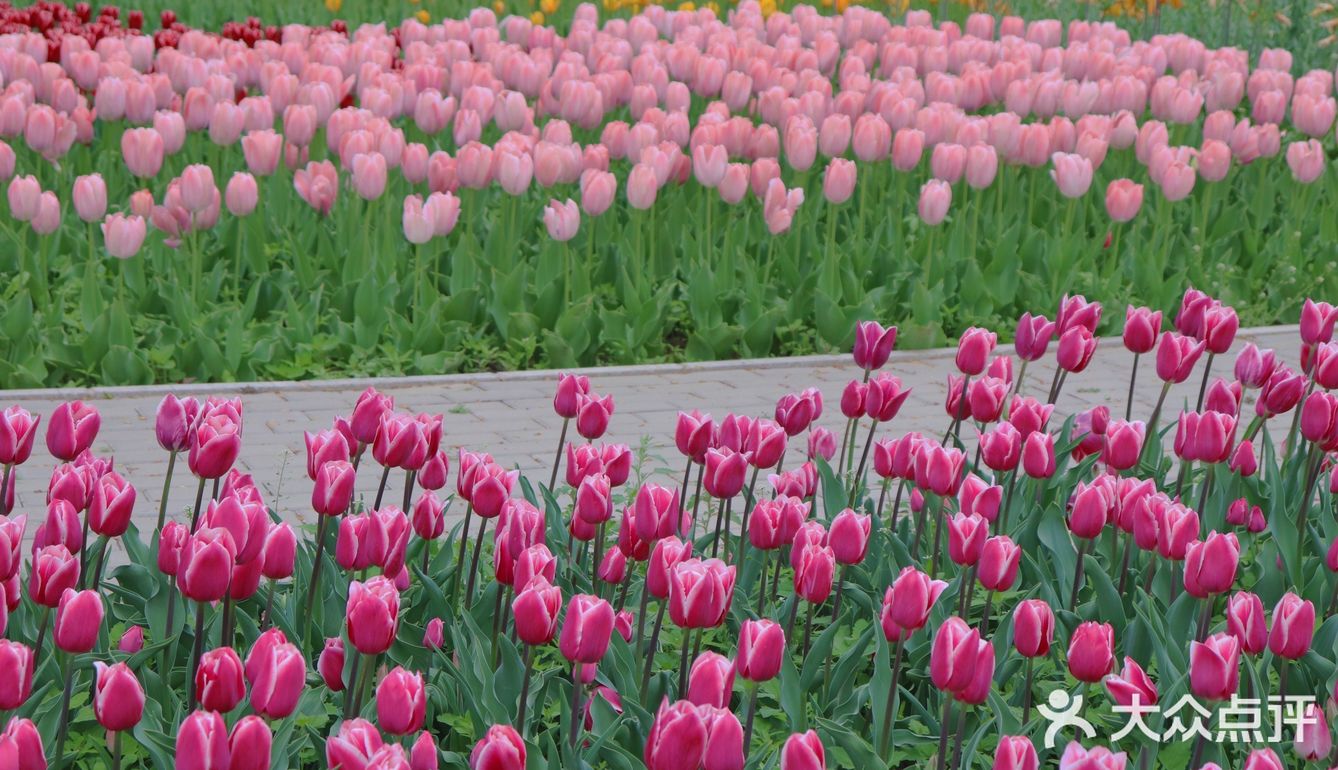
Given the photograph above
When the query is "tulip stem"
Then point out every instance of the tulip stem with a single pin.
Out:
(381, 489)
(683, 664)
(1077, 573)
(103, 545)
(641, 613)
(557, 458)
(63, 732)
(197, 647)
(1124, 564)
(985, 617)
(943, 731)
(1133, 378)
(194, 513)
(957, 737)
(863, 460)
(1205, 618)
(1008, 501)
(409, 477)
(938, 537)
(893, 694)
(167, 487)
(41, 632)
(523, 705)
(115, 739)
(697, 498)
(1026, 694)
(762, 583)
(882, 498)
(1156, 415)
(460, 556)
(748, 721)
(775, 578)
(1203, 386)
(576, 701)
(1205, 487)
(719, 523)
(1314, 463)
(315, 571)
(654, 647)
(808, 631)
(599, 557)
(474, 560)
(845, 442)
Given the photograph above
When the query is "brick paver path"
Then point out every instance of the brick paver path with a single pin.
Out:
(511, 415)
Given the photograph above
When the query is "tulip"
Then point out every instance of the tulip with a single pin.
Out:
(873, 344)
(1131, 686)
(202, 742)
(90, 197)
(332, 492)
(131, 641)
(18, 428)
(112, 502)
(711, 680)
(423, 755)
(1293, 627)
(16, 675)
(1214, 667)
(71, 429)
(935, 199)
(761, 647)
(814, 570)
(1076, 347)
(330, 665)
(401, 702)
(1098, 757)
(849, 537)
(1038, 455)
(953, 657)
(215, 443)
(587, 629)
(1033, 337)
(250, 744)
(277, 673)
(536, 609)
(1091, 651)
(677, 739)
(118, 700)
(78, 620)
(1015, 752)
(1210, 565)
(700, 592)
(803, 751)
(999, 562)
(372, 615)
(1123, 199)
(725, 472)
(1123, 444)
(1314, 742)
(218, 680)
(54, 570)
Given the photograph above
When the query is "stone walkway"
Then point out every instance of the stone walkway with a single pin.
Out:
(511, 415)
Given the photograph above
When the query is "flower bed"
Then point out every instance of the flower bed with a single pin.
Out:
(796, 598)
(292, 202)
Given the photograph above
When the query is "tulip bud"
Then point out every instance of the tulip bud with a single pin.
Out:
(587, 629)
(372, 615)
(677, 739)
(1015, 752)
(1091, 651)
(118, 700)
(873, 344)
(277, 673)
(331, 664)
(711, 680)
(1210, 565)
(279, 553)
(1141, 327)
(692, 435)
(173, 421)
(952, 659)
(1033, 336)
(966, 538)
(401, 702)
(803, 751)
(1131, 686)
(1293, 627)
(1033, 628)
(218, 680)
(250, 744)
(16, 674)
(814, 570)
(501, 748)
(998, 565)
(973, 350)
(536, 609)
(423, 755)
(78, 620)
(1038, 455)
(71, 429)
(202, 741)
(1214, 667)
(849, 537)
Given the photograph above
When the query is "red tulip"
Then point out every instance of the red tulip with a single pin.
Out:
(725, 471)
(16, 674)
(372, 615)
(332, 492)
(953, 657)
(849, 536)
(852, 399)
(1097, 758)
(1033, 628)
(71, 429)
(586, 630)
(1176, 356)
(277, 672)
(911, 597)
(367, 413)
(1214, 667)
(78, 620)
(131, 641)
(118, 700)
(761, 647)
(884, 396)
(1033, 336)
(1015, 752)
(966, 538)
(1313, 742)
(501, 748)
(998, 565)
(939, 469)
(215, 441)
(1131, 685)
(536, 609)
(206, 565)
(724, 739)
(566, 400)
(803, 751)
(1123, 444)
(766, 442)
(279, 552)
(664, 559)
(27, 742)
(401, 702)
(354, 746)
(1210, 565)
(700, 592)
(593, 414)
(977, 691)
(1038, 455)
(323, 447)
(202, 742)
(1028, 415)
(677, 739)
(54, 570)
(330, 665)
(873, 344)
(973, 350)
(1076, 348)
(1001, 447)
(218, 680)
(250, 744)
(711, 680)
(18, 427)
(400, 442)
(423, 755)
(1091, 651)
(692, 435)
(1141, 327)
(816, 566)
(1293, 627)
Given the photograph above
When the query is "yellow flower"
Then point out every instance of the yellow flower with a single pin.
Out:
(333, 6)
(537, 17)
(423, 16)
(687, 6)
(714, 6)
(548, 6)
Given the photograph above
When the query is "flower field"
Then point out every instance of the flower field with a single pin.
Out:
(1097, 590)
(250, 201)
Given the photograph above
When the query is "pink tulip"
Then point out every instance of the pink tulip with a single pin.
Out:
(562, 219)
(241, 194)
(1123, 199)
(123, 235)
(935, 198)
(90, 197)
(143, 150)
